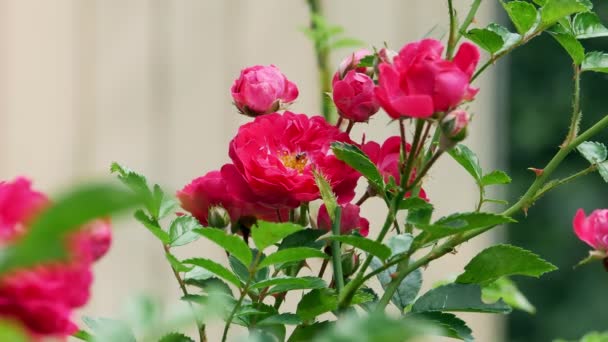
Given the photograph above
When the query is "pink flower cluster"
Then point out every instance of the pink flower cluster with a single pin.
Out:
(43, 298)
(275, 156)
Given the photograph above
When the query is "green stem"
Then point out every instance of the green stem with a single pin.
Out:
(322, 54)
(303, 214)
(452, 37)
(409, 166)
(525, 201)
(551, 185)
(335, 252)
(576, 106)
(200, 325)
(481, 199)
(468, 20)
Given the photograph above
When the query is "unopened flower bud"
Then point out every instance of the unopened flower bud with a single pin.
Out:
(350, 263)
(387, 55)
(218, 217)
(454, 128)
(351, 62)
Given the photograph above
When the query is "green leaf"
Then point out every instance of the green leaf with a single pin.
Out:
(367, 61)
(105, 329)
(284, 318)
(595, 61)
(266, 234)
(574, 48)
(181, 231)
(319, 301)
(400, 244)
(407, 290)
(503, 260)
(454, 326)
(215, 268)
(231, 243)
(45, 239)
(290, 255)
(163, 204)
(176, 264)
(468, 160)
(594, 152)
(602, 168)
(10, 331)
(457, 297)
(523, 15)
(175, 337)
(509, 38)
(304, 238)
(210, 285)
(540, 2)
(242, 271)
(504, 288)
(307, 333)
(588, 25)
(370, 246)
(327, 194)
(486, 39)
(495, 177)
(458, 223)
(153, 226)
(346, 43)
(553, 10)
(355, 158)
(414, 203)
(284, 284)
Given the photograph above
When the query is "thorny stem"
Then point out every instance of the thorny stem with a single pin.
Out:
(551, 185)
(335, 251)
(403, 137)
(323, 268)
(322, 54)
(201, 326)
(468, 20)
(576, 106)
(409, 166)
(425, 135)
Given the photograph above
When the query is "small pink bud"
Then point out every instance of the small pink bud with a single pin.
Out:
(387, 55)
(262, 90)
(351, 62)
(454, 128)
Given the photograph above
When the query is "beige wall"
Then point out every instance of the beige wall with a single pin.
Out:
(145, 82)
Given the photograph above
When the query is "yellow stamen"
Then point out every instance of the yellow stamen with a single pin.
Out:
(295, 161)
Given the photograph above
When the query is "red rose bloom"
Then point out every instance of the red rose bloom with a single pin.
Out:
(420, 82)
(274, 157)
(212, 190)
(386, 158)
(43, 297)
(350, 219)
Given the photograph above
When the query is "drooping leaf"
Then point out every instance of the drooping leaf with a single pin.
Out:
(503, 260)
(265, 234)
(290, 255)
(486, 39)
(468, 160)
(354, 157)
(283, 284)
(595, 61)
(152, 226)
(407, 290)
(588, 25)
(457, 297)
(505, 288)
(574, 48)
(370, 246)
(454, 326)
(214, 268)
(495, 177)
(553, 10)
(284, 318)
(45, 239)
(231, 243)
(106, 329)
(594, 152)
(181, 231)
(523, 15)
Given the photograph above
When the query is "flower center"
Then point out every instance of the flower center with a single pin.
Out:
(296, 161)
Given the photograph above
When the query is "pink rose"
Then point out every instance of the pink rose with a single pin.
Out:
(350, 62)
(18, 204)
(211, 190)
(420, 82)
(386, 158)
(592, 229)
(274, 157)
(350, 219)
(354, 97)
(43, 297)
(262, 90)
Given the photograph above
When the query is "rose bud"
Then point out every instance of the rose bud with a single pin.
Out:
(593, 229)
(218, 217)
(262, 90)
(387, 55)
(454, 125)
(351, 62)
(354, 97)
(350, 263)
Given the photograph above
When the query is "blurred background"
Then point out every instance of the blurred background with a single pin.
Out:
(146, 83)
